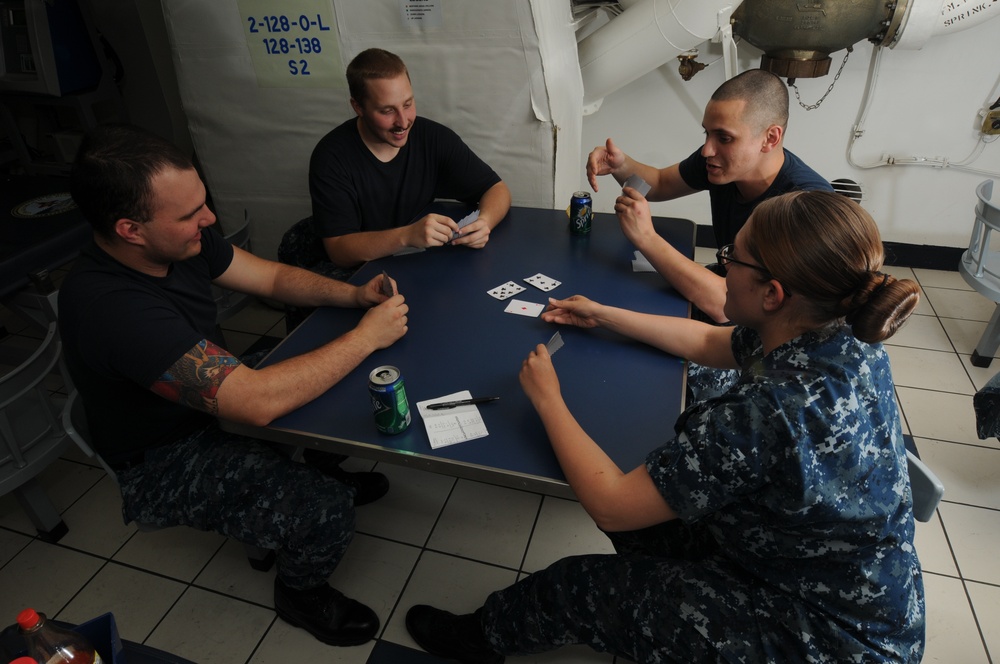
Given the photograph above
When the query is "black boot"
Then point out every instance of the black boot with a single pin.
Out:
(368, 487)
(447, 635)
(326, 613)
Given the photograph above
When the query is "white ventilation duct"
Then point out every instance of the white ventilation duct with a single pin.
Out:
(929, 18)
(649, 33)
(643, 37)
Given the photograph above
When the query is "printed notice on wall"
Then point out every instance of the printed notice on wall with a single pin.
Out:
(296, 48)
(421, 13)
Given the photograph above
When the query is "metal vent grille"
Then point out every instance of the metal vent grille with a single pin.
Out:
(848, 188)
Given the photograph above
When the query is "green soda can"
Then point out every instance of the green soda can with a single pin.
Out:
(389, 405)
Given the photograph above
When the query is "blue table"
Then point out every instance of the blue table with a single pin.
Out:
(625, 394)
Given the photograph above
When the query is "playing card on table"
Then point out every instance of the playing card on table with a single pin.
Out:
(638, 184)
(503, 291)
(465, 221)
(386, 287)
(554, 344)
(522, 308)
(541, 282)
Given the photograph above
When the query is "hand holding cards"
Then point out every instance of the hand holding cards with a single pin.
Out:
(465, 221)
(386, 286)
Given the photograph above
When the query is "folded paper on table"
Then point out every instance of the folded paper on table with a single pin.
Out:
(452, 425)
(641, 263)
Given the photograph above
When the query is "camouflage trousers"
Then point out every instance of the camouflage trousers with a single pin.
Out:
(662, 598)
(248, 491)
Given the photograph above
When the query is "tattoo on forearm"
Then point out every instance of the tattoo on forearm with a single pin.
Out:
(195, 378)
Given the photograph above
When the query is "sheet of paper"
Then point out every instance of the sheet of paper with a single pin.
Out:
(641, 263)
(452, 425)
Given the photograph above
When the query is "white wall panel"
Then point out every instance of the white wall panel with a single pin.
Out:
(479, 72)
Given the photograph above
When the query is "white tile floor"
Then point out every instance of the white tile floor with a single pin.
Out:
(450, 542)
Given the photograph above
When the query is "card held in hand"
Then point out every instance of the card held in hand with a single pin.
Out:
(554, 344)
(638, 184)
(387, 288)
(465, 221)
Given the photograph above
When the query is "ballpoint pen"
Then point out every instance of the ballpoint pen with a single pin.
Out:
(460, 402)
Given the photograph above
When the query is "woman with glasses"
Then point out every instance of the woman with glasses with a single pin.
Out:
(776, 524)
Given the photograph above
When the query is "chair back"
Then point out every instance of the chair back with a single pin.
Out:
(300, 246)
(925, 486)
(31, 434)
(980, 265)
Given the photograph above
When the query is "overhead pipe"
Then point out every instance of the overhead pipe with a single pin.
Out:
(643, 37)
(797, 38)
(929, 18)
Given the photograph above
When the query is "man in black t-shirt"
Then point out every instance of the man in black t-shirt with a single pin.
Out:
(137, 318)
(741, 163)
(371, 176)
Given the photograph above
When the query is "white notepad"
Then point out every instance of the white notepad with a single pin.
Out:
(452, 425)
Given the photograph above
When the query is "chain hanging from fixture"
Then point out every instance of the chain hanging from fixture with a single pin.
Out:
(813, 107)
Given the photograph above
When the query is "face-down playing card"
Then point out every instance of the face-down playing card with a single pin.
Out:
(465, 221)
(638, 184)
(554, 343)
(386, 285)
(503, 291)
(541, 282)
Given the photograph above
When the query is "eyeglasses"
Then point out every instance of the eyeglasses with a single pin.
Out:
(724, 256)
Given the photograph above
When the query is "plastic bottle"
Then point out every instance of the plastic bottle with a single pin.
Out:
(50, 644)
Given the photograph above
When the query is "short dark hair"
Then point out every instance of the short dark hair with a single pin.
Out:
(113, 172)
(369, 64)
(765, 95)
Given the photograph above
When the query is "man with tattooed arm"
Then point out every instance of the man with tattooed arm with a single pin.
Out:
(143, 349)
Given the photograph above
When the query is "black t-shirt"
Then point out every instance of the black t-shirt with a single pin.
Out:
(122, 329)
(353, 191)
(729, 213)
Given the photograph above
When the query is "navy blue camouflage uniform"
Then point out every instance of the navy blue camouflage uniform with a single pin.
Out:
(795, 536)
